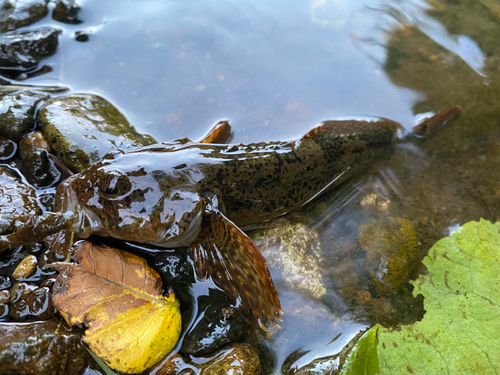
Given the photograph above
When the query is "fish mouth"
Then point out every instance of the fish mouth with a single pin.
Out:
(186, 238)
(85, 222)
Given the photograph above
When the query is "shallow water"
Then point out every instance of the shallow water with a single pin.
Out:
(275, 69)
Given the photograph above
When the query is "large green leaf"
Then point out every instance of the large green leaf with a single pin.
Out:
(460, 332)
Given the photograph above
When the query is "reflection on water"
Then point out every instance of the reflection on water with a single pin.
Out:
(276, 68)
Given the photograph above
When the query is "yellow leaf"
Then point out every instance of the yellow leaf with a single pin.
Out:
(119, 298)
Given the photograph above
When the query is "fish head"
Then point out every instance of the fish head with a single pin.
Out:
(127, 196)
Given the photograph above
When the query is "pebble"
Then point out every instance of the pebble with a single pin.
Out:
(25, 268)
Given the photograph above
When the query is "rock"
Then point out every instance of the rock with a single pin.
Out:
(4, 296)
(40, 170)
(31, 142)
(8, 149)
(42, 348)
(23, 50)
(66, 11)
(17, 113)
(19, 13)
(5, 282)
(234, 359)
(29, 300)
(295, 250)
(393, 246)
(25, 267)
(18, 201)
(175, 366)
(82, 128)
(218, 324)
(82, 36)
(174, 268)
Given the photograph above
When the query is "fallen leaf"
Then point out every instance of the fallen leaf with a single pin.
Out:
(459, 332)
(119, 298)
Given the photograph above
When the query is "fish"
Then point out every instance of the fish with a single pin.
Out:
(202, 195)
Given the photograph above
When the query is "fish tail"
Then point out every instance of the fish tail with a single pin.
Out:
(433, 125)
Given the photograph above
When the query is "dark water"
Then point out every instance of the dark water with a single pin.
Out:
(275, 69)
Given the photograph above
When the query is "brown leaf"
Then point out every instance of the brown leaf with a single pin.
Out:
(119, 297)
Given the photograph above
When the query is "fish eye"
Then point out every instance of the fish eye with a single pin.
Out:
(114, 185)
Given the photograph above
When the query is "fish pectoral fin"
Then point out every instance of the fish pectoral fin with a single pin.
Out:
(220, 133)
(225, 253)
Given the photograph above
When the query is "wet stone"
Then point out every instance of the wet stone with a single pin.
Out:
(25, 267)
(30, 301)
(5, 282)
(234, 359)
(19, 13)
(31, 142)
(40, 170)
(8, 149)
(175, 366)
(392, 245)
(18, 201)
(23, 50)
(4, 296)
(221, 323)
(81, 36)
(174, 268)
(66, 11)
(37, 348)
(83, 128)
(17, 113)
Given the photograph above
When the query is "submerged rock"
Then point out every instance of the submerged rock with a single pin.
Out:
(42, 348)
(233, 359)
(82, 128)
(218, 324)
(19, 13)
(32, 142)
(23, 50)
(17, 113)
(29, 300)
(18, 201)
(294, 249)
(393, 246)
(8, 149)
(40, 170)
(66, 11)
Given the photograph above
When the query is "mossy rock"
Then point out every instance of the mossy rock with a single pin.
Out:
(393, 244)
(82, 128)
(17, 113)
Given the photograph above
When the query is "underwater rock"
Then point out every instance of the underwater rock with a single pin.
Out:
(82, 128)
(39, 169)
(8, 149)
(175, 366)
(19, 13)
(17, 199)
(217, 324)
(294, 249)
(66, 11)
(82, 36)
(31, 142)
(17, 113)
(25, 267)
(233, 359)
(393, 246)
(29, 300)
(43, 348)
(23, 50)
(174, 268)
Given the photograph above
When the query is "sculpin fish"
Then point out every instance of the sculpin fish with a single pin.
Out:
(199, 194)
